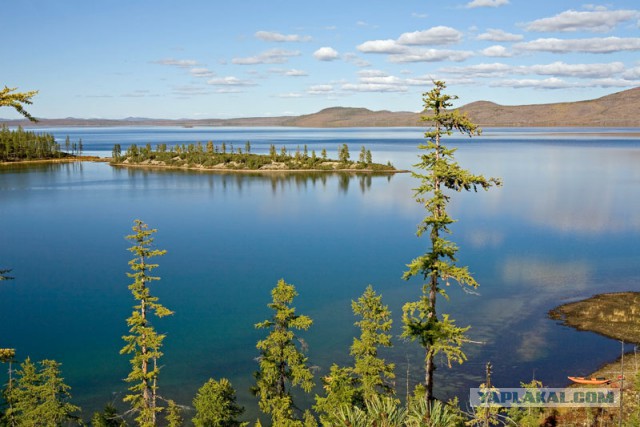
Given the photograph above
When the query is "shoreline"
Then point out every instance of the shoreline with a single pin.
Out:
(94, 159)
(262, 171)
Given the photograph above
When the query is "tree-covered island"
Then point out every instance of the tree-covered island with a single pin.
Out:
(225, 157)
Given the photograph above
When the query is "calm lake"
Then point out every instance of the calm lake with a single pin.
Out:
(565, 226)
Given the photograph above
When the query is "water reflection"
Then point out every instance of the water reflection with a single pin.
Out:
(277, 181)
(38, 175)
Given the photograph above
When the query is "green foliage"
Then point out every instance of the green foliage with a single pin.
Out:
(487, 413)
(116, 153)
(438, 265)
(17, 145)
(109, 417)
(39, 397)
(433, 414)
(7, 355)
(384, 411)
(174, 414)
(373, 373)
(282, 363)
(371, 376)
(215, 405)
(340, 389)
(16, 100)
(143, 342)
(343, 153)
(527, 416)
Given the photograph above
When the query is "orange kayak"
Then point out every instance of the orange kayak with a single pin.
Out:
(592, 381)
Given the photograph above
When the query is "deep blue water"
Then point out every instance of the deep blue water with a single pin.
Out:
(564, 226)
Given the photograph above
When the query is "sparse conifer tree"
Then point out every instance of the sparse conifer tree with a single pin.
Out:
(374, 373)
(343, 153)
(437, 267)
(174, 414)
(282, 363)
(116, 152)
(215, 405)
(143, 342)
(40, 397)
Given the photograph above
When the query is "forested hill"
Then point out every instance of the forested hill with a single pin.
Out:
(615, 110)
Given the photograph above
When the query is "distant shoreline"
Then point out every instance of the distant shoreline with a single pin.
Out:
(617, 110)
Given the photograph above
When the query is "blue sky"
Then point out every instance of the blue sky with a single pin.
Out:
(222, 59)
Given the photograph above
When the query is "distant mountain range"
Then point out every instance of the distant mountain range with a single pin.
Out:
(616, 110)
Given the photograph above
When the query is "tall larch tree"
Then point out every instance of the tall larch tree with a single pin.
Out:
(283, 364)
(143, 342)
(437, 267)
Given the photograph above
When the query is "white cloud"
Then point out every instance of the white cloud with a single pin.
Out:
(496, 35)
(140, 93)
(271, 36)
(431, 55)
(373, 87)
(402, 49)
(419, 15)
(354, 59)
(290, 95)
(326, 54)
(487, 3)
(190, 90)
(272, 56)
(289, 73)
(439, 35)
(201, 72)
(612, 82)
(382, 80)
(182, 63)
(550, 83)
(571, 20)
(496, 69)
(228, 90)
(371, 73)
(433, 36)
(578, 70)
(320, 89)
(296, 73)
(381, 46)
(592, 45)
(632, 73)
(496, 51)
(555, 69)
(230, 81)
